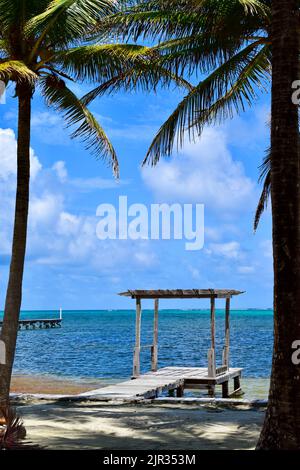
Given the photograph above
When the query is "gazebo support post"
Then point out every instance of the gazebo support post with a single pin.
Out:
(154, 349)
(227, 334)
(180, 391)
(137, 349)
(211, 352)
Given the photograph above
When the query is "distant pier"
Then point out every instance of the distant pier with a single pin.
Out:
(39, 323)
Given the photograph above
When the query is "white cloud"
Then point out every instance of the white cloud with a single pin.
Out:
(83, 184)
(43, 210)
(45, 118)
(195, 273)
(230, 250)
(204, 172)
(92, 184)
(68, 224)
(246, 269)
(145, 259)
(61, 171)
(259, 123)
(56, 235)
(8, 151)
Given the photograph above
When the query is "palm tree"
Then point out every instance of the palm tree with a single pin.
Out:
(227, 42)
(234, 44)
(281, 429)
(44, 45)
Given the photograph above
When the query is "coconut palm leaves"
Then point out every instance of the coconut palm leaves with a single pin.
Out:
(265, 179)
(44, 43)
(16, 70)
(226, 90)
(224, 42)
(75, 112)
(13, 432)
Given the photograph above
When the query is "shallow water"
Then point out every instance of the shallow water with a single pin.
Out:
(99, 344)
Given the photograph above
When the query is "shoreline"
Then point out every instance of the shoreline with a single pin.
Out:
(52, 421)
(254, 388)
(53, 385)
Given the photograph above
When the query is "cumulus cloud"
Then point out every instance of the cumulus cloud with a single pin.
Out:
(43, 209)
(230, 250)
(57, 235)
(83, 184)
(8, 151)
(204, 172)
(61, 170)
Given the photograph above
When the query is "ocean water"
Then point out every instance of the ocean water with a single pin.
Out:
(99, 344)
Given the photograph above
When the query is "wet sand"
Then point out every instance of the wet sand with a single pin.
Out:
(31, 384)
(52, 385)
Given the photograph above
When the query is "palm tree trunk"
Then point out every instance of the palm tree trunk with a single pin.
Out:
(14, 289)
(281, 428)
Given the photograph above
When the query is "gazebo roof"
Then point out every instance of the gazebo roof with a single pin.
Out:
(181, 293)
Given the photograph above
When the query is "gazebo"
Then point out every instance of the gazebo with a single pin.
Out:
(192, 377)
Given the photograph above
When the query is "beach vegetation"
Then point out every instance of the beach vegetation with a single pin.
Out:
(12, 431)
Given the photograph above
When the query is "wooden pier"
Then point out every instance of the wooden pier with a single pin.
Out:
(174, 381)
(38, 323)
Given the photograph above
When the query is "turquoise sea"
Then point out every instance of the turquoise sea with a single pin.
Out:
(99, 344)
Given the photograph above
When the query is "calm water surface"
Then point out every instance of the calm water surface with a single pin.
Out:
(99, 344)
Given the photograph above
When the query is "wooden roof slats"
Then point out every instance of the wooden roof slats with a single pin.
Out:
(181, 293)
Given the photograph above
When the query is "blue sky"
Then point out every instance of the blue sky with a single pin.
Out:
(68, 266)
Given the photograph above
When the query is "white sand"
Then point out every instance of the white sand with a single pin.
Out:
(107, 426)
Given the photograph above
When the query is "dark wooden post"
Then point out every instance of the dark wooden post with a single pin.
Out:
(137, 349)
(154, 355)
(180, 391)
(227, 334)
(211, 352)
(225, 389)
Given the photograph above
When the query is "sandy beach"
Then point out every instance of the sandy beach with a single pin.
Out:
(254, 388)
(52, 385)
(106, 426)
(99, 425)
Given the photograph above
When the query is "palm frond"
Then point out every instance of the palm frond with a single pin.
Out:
(199, 54)
(265, 177)
(67, 20)
(162, 20)
(13, 432)
(58, 95)
(143, 79)
(252, 75)
(14, 13)
(102, 62)
(17, 71)
(226, 90)
(3, 46)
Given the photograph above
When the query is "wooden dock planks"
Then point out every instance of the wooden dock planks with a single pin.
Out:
(152, 384)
